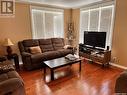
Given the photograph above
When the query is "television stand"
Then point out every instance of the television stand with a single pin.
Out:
(95, 55)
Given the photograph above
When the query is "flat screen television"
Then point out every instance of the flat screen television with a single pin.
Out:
(95, 39)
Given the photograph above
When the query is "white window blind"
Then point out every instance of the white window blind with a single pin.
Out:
(94, 18)
(84, 24)
(37, 22)
(106, 23)
(97, 19)
(58, 26)
(47, 23)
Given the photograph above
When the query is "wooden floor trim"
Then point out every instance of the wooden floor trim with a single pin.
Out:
(118, 66)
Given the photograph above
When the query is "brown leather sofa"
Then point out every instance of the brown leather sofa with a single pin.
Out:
(121, 84)
(51, 48)
(10, 81)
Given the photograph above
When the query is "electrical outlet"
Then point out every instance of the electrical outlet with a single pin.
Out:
(114, 59)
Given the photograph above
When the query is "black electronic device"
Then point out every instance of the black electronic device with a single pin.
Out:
(95, 39)
(84, 49)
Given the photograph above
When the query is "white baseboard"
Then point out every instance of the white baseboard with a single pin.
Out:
(119, 66)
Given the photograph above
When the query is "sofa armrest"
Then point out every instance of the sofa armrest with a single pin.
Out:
(26, 58)
(121, 83)
(26, 54)
(6, 86)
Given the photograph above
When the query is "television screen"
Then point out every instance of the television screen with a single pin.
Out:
(95, 39)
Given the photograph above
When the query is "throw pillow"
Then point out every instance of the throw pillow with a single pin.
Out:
(4, 68)
(35, 49)
(68, 47)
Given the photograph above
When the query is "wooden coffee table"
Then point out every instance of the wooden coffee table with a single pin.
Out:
(58, 63)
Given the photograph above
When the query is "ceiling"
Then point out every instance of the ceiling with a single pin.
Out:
(63, 3)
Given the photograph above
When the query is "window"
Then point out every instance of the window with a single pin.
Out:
(84, 24)
(47, 23)
(94, 18)
(106, 23)
(98, 19)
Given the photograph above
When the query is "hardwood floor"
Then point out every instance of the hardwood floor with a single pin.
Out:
(93, 80)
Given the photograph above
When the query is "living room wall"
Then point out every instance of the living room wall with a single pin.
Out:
(67, 19)
(76, 22)
(119, 46)
(19, 27)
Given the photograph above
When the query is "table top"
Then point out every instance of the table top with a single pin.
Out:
(59, 62)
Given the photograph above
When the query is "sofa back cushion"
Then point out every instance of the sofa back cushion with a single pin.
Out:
(30, 43)
(58, 43)
(46, 45)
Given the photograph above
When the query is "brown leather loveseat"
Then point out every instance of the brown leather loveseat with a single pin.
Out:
(10, 81)
(51, 48)
(121, 84)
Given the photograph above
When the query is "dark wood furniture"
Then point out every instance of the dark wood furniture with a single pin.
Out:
(14, 57)
(58, 63)
(96, 55)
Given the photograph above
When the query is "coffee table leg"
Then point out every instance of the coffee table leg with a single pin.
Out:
(52, 74)
(45, 73)
(80, 66)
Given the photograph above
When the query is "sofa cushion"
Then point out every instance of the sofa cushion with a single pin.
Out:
(45, 56)
(51, 55)
(35, 49)
(8, 75)
(30, 43)
(64, 52)
(58, 43)
(37, 58)
(46, 45)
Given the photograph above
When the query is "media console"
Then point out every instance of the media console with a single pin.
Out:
(95, 55)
